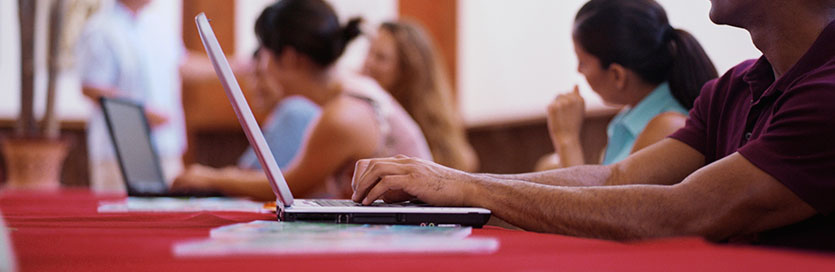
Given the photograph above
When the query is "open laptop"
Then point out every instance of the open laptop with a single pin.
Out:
(336, 211)
(138, 160)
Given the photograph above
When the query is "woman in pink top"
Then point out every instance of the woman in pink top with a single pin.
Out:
(301, 40)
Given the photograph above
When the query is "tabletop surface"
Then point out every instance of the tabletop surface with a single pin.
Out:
(62, 231)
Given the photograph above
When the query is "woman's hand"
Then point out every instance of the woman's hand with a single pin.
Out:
(565, 118)
(198, 177)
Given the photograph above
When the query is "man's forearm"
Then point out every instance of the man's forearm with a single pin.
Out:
(197, 67)
(584, 175)
(611, 212)
(94, 93)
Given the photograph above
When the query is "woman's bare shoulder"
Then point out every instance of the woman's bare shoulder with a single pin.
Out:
(661, 126)
(667, 121)
(347, 114)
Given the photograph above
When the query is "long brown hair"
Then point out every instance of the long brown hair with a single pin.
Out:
(423, 90)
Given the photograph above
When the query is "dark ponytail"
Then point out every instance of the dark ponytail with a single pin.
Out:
(691, 68)
(308, 26)
(351, 30)
(637, 35)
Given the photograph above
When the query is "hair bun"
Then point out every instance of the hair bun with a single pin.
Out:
(351, 29)
(670, 33)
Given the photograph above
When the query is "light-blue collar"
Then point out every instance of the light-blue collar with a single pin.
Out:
(636, 119)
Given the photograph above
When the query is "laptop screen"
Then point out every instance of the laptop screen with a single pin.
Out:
(244, 113)
(131, 138)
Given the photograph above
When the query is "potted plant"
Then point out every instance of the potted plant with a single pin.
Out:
(35, 154)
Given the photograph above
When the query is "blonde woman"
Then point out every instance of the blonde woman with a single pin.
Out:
(403, 61)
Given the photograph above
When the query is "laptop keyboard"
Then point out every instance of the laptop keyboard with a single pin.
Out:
(349, 203)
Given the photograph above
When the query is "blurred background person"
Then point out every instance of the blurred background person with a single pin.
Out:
(118, 57)
(285, 127)
(630, 56)
(122, 53)
(403, 60)
(301, 40)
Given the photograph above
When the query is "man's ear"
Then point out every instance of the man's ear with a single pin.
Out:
(618, 74)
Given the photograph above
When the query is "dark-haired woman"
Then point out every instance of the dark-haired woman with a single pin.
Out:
(631, 56)
(300, 41)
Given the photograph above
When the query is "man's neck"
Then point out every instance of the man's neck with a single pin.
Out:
(785, 40)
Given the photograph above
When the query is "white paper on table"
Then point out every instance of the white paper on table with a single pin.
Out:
(172, 204)
(309, 230)
(274, 246)
(294, 238)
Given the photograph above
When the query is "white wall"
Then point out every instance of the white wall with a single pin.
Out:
(68, 94)
(9, 59)
(161, 15)
(513, 57)
(165, 17)
(516, 56)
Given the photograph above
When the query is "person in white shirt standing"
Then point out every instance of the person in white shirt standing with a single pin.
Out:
(119, 56)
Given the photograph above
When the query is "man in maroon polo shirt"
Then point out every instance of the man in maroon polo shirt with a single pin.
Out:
(755, 162)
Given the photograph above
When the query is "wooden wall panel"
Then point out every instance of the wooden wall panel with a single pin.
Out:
(516, 147)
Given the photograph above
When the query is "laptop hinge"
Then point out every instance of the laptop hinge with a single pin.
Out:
(279, 209)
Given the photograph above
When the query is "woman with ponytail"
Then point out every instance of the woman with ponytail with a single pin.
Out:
(300, 42)
(630, 56)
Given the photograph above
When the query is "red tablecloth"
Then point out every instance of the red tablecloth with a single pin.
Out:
(62, 231)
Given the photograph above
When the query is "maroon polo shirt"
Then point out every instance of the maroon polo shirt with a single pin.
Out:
(785, 127)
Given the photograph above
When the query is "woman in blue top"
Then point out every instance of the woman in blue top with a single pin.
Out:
(286, 125)
(301, 41)
(631, 56)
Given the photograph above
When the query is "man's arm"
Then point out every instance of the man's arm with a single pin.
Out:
(94, 93)
(677, 160)
(583, 175)
(155, 117)
(196, 66)
(727, 198)
(667, 162)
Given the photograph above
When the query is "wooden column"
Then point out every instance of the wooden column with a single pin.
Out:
(440, 17)
(212, 129)
(222, 15)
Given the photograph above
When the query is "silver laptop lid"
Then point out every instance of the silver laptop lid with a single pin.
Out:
(131, 138)
(253, 132)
